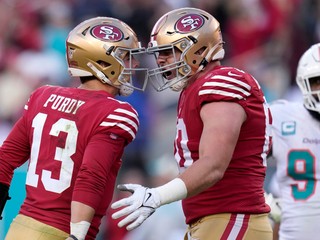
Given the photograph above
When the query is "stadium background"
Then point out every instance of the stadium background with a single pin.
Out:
(263, 37)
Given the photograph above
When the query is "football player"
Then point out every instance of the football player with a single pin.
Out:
(295, 148)
(75, 137)
(222, 139)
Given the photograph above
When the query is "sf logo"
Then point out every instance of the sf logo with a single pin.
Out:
(191, 22)
(108, 33)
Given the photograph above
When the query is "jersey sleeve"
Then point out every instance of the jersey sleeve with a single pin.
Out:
(229, 86)
(98, 171)
(102, 157)
(15, 150)
(122, 121)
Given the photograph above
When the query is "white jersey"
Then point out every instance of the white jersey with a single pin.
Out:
(296, 148)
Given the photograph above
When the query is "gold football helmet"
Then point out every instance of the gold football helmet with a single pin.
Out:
(192, 31)
(108, 49)
(308, 77)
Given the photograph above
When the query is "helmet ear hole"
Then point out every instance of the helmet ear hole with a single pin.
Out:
(201, 50)
(103, 64)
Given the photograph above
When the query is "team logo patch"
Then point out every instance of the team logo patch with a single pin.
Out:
(189, 23)
(107, 32)
(288, 128)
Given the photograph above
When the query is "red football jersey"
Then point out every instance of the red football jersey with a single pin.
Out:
(241, 189)
(75, 139)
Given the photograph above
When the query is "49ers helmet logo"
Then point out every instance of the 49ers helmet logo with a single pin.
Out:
(107, 33)
(189, 23)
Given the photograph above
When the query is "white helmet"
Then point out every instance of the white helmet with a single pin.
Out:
(308, 69)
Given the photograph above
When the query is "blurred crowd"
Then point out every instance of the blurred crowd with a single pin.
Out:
(263, 37)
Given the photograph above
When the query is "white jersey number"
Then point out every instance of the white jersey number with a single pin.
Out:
(181, 142)
(61, 154)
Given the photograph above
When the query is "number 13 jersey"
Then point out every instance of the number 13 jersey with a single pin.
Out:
(75, 139)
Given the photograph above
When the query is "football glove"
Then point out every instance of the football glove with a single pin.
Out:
(138, 207)
(4, 196)
(274, 203)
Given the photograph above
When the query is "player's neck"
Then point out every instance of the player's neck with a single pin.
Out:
(96, 85)
(207, 69)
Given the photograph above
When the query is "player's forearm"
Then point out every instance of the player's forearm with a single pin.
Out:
(201, 175)
(81, 212)
(197, 178)
(81, 217)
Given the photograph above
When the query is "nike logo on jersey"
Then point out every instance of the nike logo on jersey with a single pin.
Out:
(233, 75)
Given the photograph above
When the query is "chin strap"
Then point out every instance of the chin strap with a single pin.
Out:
(219, 55)
(124, 90)
(100, 74)
(4, 196)
(178, 86)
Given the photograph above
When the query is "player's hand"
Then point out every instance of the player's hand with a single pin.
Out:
(274, 203)
(138, 207)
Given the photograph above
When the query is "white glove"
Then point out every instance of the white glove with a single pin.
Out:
(138, 207)
(274, 203)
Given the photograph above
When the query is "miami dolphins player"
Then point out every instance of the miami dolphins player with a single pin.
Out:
(296, 149)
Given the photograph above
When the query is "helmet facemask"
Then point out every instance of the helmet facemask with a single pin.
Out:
(131, 77)
(160, 75)
(311, 96)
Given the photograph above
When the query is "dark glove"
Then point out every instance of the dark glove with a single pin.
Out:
(4, 196)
